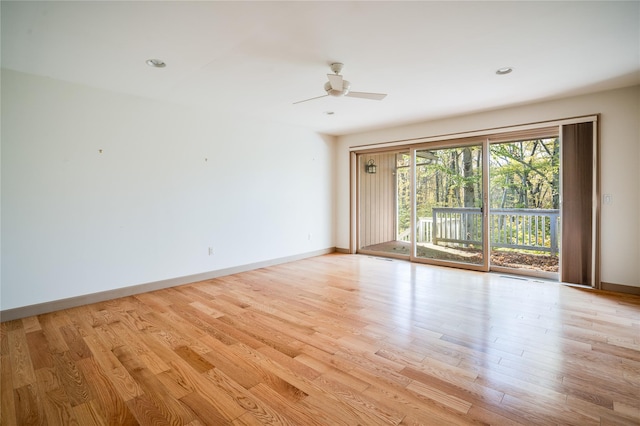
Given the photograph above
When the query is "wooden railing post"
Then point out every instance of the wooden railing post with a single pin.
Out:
(436, 227)
(554, 234)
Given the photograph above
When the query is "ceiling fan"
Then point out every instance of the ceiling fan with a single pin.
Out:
(337, 86)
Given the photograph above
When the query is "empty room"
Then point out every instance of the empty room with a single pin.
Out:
(320, 213)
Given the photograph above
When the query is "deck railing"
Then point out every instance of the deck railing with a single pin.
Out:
(526, 229)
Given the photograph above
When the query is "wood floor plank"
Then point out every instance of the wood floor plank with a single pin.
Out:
(4, 339)
(331, 340)
(57, 407)
(545, 412)
(126, 386)
(265, 335)
(48, 379)
(605, 394)
(416, 408)
(248, 401)
(31, 324)
(51, 324)
(486, 416)
(72, 379)
(208, 325)
(211, 389)
(29, 408)
(187, 381)
(443, 398)
(207, 413)
(115, 410)
(103, 355)
(623, 418)
(195, 360)
(7, 400)
(39, 350)
(22, 372)
(154, 392)
(148, 413)
(293, 364)
(290, 412)
(78, 349)
(239, 368)
(333, 375)
(358, 400)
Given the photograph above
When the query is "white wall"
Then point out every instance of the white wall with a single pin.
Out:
(76, 221)
(620, 166)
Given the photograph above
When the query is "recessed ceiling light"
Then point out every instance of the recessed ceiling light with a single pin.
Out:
(156, 63)
(504, 70)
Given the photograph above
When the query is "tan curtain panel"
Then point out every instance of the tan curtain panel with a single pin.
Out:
(577, 205)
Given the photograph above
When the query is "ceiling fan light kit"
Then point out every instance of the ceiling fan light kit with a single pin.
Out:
(335, 92)
(338, 87)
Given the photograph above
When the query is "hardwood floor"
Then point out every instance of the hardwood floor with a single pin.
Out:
(332, 340)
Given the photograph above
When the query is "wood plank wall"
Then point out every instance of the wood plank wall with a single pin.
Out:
(377, 200)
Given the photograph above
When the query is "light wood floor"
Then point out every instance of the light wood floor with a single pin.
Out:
(332, 340)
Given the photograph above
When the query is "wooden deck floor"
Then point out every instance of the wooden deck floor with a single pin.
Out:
(332, 340)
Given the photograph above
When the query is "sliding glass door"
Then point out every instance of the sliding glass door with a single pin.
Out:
(524, 203)
(518, 202)
(384, 205)
(424, 204)
(449, 188)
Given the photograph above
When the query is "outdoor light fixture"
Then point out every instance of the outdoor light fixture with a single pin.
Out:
(370, 167)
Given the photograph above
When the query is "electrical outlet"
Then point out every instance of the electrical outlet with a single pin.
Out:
(210, 251)
(309, 236)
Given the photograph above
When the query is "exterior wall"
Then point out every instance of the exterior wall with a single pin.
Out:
(378, 200)
(619, 165)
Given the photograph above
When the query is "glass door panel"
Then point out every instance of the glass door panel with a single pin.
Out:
(384, 208)
(524, 197)
(448, 204)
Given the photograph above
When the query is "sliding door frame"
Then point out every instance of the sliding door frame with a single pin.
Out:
(487, 135)
(453, 143)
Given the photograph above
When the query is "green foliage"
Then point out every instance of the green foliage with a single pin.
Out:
(523, 174)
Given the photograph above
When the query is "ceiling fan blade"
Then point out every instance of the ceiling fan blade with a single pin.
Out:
(365, 95)
(310, 99)
(336, 81)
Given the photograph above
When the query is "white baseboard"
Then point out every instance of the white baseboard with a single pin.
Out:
(56, 305)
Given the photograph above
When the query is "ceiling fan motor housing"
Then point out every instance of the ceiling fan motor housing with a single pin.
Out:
(338, 87)
(333, 92)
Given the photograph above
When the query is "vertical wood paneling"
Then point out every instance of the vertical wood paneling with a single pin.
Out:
(377, 200)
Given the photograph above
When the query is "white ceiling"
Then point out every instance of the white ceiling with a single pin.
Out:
(434, 59)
